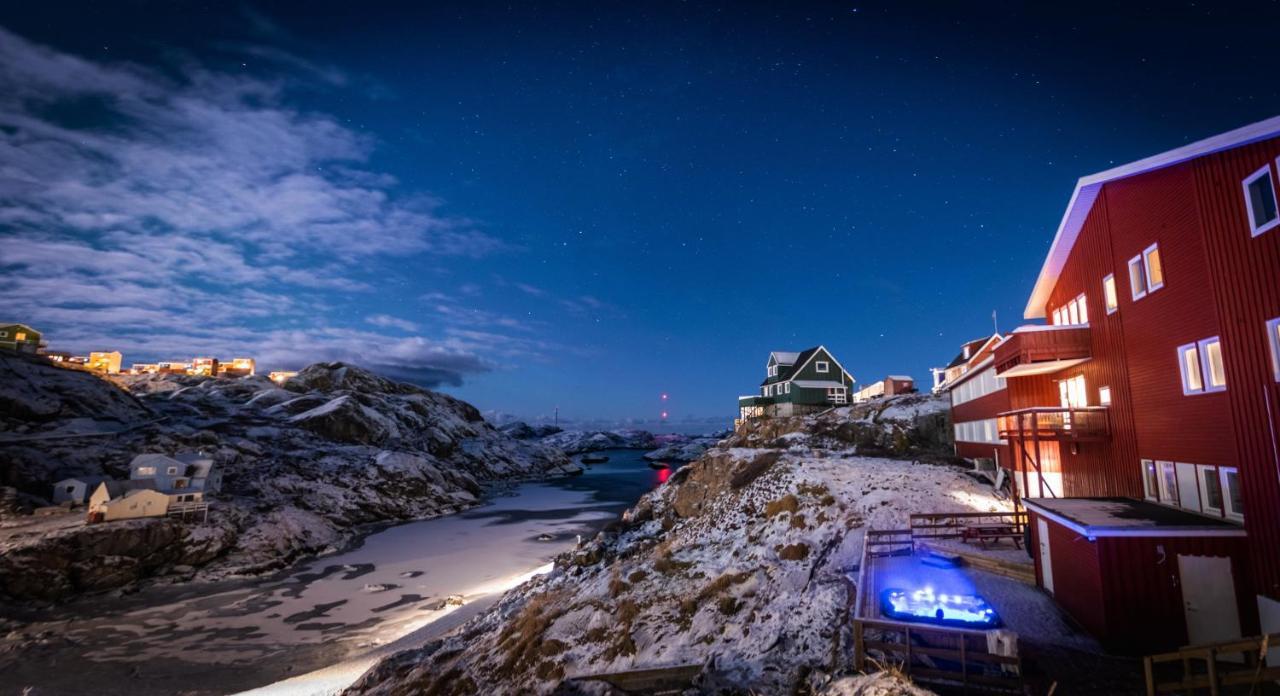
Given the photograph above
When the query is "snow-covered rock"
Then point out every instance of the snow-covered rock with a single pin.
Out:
(579, 441)
(303, 468)
(738, 563)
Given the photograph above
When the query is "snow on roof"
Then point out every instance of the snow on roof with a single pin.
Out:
(1087, 188)
(1119, 516)
(784, 357)
(901, 377)
(817, 383)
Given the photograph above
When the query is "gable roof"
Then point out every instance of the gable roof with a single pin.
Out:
(786, 372)
(784, 357)
(975, 345)
(1087, 189)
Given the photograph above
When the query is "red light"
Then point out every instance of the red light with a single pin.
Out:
(663, 475)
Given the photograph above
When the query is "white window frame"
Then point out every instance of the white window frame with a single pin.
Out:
(1187, 389)
(1073, 312)
(1248, 200)
(1227, 508)
(171, 471)
(837, 395)
(1057, 317)
(1205, 369)
(1172, 496)
(4, 334)
(788, 387)
(1146, 268)
(1104, 395)
(1110, 297)
(822, 366)
(1273, 338)
(1150, 475)
(1201, 471)
(1083, 303)
(773, 371)
(1138, 292)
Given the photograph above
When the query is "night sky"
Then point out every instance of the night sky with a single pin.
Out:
(583, 205)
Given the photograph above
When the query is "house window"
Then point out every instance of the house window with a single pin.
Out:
(837, 395)
(1155, 271)
(1057, 317)
(773, 370)
(20, 336)
(1137, 278)
(1109, 293)
(1168, 482)
(1201, 366)
(1260, 200)
(1231, 485)
(822, 366)
(1073, 313)
(171, 470)
(1210, 489)
(1084, 308)
(1104, 396)
(1273, 337)
(4, 334)
(146, 471)
(1150, 480)
(788, 387)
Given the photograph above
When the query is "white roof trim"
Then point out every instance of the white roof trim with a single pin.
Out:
(818, 384)
(900, 377)
(829, 355)
(1087, 188)
(1092, 533)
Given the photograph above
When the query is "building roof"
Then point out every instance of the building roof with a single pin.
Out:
(817, 383)
(115, 488)
(1087, 189)
(975, 345)
(1101, 517)
(783, 357)
(902, 378)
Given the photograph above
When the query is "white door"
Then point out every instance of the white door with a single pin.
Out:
(1209, 599)
(1046, 562)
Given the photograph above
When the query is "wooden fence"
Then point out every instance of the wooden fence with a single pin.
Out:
(1198, 668)
(936, 654)
(958, 525)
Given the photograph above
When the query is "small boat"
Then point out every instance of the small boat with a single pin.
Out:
(593, 459)
(659, 465)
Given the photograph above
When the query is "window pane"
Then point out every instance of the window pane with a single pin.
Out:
(1057, 317)
(1191, 369)
(1104, 396)
(1137, 282)
(1213, 356)
(1155, 274)
(1084, 310)
(1262, 200)
(1109, 292)
(1149, 477)
(1073, 313)
(1168, 482)
(1234, 500)
(1212, 487)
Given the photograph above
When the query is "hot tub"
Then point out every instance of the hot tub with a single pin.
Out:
(923, 605)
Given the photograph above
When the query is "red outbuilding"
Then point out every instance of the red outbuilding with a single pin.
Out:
(1142, 420)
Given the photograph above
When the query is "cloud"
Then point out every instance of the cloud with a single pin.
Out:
(387, 321)
(182, 211)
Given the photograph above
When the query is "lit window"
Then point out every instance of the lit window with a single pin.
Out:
(1104, 396)
(1231, 485)
(822, 366)
(1057, 317)
(146, 471)
(1260, 200)
(20, 336)
(1155, 272)
(1150, 482)
(1109, 293)
(1084, 309)
(1210, 489)
(1168, 482)
(1137, 279)
(1073, 313)
(1201, 366)
(1273, 337)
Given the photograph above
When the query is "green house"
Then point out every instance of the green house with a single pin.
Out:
(796, 384)
(19, 337)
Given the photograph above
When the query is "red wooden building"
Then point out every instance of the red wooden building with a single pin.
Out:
(1143, 419)
(977, 397)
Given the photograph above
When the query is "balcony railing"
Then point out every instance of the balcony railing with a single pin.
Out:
(756, 401)
(1089, 423)
(1042, 349)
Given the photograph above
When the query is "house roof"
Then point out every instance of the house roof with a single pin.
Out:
(89, 481)
(976, 345)
(5, 325)
(1101, 517)
(1087, 189)
(901, 378)
(115, 489)
(783, 357)
(817, 383)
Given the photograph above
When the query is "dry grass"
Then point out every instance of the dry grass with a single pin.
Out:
(794, 552)
(521, 639)
(787, 503)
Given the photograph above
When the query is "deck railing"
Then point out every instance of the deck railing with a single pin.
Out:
(1050, 423)
(1198, 667)
(959, 525)
(953, 656)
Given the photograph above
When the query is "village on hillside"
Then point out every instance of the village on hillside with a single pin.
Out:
(1134, 430)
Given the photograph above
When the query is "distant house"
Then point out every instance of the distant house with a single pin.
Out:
(889, 386)
(184, 477)
(204, 367)
(944, 377)
(237, 367)
(282, 376)
(107, 363)
(978, 397)
(122, 500)
(798, 383)
(19, 337)
(76, 489)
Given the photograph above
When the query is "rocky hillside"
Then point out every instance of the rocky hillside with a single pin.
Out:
(304, 466)
(738, 564)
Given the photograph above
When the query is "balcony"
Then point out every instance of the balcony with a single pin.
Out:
(1038, 350)
(1056, 424)
(747, 401)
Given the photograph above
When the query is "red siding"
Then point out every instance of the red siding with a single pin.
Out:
(1126, 590)
(1219, 280)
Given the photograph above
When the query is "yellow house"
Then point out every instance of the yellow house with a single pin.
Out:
(123, 500)
(238, 367)
(108, 363)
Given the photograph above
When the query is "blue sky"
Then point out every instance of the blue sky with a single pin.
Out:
(580, 206)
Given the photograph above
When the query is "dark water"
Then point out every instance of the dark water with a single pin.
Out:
(330, 609)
